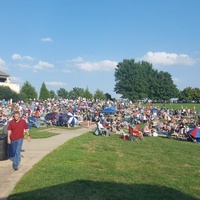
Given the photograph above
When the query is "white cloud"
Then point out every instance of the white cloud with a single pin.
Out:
(17, 80)
(48, 39)
(24, 66)
(43, 65)
(163, 58)
(3, 65)
(66, 71)
(2, 62)
(176, 80)
(104, 65)
(27, 58)
(16, 57)
(19, 57)
(55, 83)
(77, 60)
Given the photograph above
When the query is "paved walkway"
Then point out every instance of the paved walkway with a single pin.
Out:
(34, 152)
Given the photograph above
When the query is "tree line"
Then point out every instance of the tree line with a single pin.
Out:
(139, 80)
(28, 92)
(133, 81)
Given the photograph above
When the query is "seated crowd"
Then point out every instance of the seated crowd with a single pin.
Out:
(176, 124)
(148, 120)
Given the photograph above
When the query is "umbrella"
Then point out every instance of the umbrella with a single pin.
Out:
(51, 115)
(72, 120)
(109, 110)
(63, 119)
(195, 133)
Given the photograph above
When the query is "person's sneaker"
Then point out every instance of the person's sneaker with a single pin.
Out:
(15, 169)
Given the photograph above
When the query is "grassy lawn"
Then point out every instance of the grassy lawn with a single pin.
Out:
(96, 167)
(46, 132)
(43, 132)
(177, 105)
(66, 128)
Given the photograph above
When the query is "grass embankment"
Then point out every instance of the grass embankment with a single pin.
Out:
(46, 132)
(96, 167)
(192, 106)
(42, 132)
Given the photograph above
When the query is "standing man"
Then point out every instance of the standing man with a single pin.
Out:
(16, 129)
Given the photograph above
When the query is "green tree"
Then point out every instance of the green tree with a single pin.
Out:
(52, 94)
(190, 94)
(44, 92)
(108, 96)
(129, 80)
(87, 94)
(99, 95)
(7, 94)
(166, 88)
(23, 97)
(62, 93)
(196, 94)
(138, 80)
(28, 91)
(76, 92)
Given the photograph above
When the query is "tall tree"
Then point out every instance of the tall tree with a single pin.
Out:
(166, 88)
(52, 94)
(138, 80)
(76, 92)
(196, 94)
(108, 96)
(44, 92)
(7, 94)
(129, 80)
(28, 91)
(190, 93)
(62, 93)
(87, 94)
(99, 95)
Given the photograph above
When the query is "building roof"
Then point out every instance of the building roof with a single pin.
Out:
(3, 75)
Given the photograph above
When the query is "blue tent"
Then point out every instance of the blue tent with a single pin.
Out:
(109, 110)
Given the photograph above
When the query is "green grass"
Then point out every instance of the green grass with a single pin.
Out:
(66, 128)
(43, 132)
(96, 167)
(177, 105)
(46, 132)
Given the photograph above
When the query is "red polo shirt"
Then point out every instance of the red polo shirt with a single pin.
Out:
(17, 129)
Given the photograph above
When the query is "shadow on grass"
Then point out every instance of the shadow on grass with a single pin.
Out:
(94, 190)
(176, 139)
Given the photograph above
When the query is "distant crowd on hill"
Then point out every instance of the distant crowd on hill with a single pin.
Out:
(149, 119)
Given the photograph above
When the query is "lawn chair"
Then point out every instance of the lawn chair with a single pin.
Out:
(99, 131)
(134, 134)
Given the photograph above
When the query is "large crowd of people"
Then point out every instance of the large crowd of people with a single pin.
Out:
(148, 120)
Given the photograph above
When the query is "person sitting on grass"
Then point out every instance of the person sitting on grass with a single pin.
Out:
(146, 130)
(119, 130)
(181, 128)
(33, 121)
(164, 129)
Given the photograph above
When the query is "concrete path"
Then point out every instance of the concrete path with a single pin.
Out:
(34, 152)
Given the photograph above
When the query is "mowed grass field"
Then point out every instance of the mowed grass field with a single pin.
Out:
(192, 106)
(96, 167)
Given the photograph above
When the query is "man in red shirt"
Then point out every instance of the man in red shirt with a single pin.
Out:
(16, 129)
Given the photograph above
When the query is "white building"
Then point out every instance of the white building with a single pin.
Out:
(5, 81)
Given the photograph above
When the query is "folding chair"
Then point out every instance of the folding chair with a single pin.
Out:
(99, 131)
(133, 134)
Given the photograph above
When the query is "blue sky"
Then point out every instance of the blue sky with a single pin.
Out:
(76, 43)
